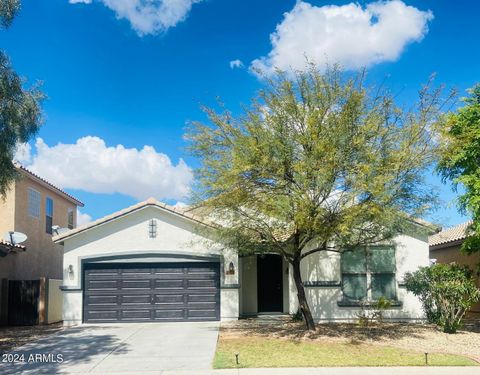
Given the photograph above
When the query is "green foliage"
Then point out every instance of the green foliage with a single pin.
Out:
(316, 159)
(460, 161)
(8, 11)
(446, 291)
(20, 113)
(315, 156)
(373, 313)
(297, 317)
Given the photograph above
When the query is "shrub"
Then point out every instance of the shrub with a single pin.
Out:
(370, 313)
(446, 292)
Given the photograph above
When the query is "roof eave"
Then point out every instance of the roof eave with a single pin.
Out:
(139, 206)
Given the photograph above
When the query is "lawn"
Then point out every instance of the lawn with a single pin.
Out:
(279, 352)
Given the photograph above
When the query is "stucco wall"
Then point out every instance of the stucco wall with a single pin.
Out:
(42, 258)
(453, 254)
(127, 237)
(7, 223)
(411, 253)
(248, 285)
(54, 301)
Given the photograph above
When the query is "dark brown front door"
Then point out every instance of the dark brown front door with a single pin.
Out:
(151, 292)
(269, 283)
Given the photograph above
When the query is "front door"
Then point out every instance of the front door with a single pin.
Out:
(269, 283)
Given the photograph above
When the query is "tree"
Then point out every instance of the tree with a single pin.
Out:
(317, 162)
(446, 291)
(460, 161)
(20, 113)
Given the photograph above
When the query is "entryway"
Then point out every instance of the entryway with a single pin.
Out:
(270, 283)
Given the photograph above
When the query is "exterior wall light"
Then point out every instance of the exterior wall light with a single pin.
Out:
(231, 269)
(70, 269)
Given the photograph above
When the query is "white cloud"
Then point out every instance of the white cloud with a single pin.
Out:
(83, 218)
(23, 153)
(236, 64)
(148, 16)
(350, 35)
(92, 166)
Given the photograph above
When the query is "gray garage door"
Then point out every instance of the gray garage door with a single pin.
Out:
(151, 292)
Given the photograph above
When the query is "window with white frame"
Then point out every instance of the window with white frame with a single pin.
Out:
(70, 223)
(49, 215)
(34, 199)
(369, 273)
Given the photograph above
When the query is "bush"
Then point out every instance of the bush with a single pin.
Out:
(446, 292)
(370, 313)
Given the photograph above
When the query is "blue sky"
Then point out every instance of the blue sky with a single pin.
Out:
(132, 77)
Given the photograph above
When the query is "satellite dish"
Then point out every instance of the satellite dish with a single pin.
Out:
(15, 238)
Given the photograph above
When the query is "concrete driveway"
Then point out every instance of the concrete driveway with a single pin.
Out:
(120, 348)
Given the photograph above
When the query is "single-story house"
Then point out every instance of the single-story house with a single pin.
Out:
(445, 248)
(151, 262)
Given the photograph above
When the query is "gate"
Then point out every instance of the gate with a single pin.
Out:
(23, 297)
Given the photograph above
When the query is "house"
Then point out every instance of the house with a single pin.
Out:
(445, 248)
(154, 262)
(32, 206)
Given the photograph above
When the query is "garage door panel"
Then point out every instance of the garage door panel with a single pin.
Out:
(198, 283)
(135, 315)
(102, 316)
(169, 315)
(169, 284)
(169, 298)
(102, 284)
(135, 284)
(101, 300)
(201, 297)
(169, 271)
(144, 299)
(200, 313)
(152, 292)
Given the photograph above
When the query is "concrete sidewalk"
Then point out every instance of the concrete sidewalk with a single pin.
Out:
(340, 371)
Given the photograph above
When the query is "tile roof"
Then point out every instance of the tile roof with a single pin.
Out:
(149, 202)
(45, 182)
(448, 235)
(11, 246)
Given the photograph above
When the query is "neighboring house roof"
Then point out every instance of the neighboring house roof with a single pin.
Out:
(47, 184)
(450, 235)
(148, 203)
(7, 247)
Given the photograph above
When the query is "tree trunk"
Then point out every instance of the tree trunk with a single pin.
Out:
(302, 298)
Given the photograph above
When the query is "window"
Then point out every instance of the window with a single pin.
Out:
(70, 224)
(369, 273)
(152, 228)
(48, 215)
(33, 203)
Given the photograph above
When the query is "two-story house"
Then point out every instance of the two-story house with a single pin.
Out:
(32, 206)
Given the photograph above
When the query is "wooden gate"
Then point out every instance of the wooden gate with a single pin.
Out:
(23, 297)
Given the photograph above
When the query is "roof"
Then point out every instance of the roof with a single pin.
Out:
(44, 182)
(449, 235)
(9, 244)
(7, 247)
(151, 202)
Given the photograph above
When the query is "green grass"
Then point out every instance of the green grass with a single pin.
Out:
(269, 352)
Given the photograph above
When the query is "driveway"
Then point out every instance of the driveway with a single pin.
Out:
(121, 348)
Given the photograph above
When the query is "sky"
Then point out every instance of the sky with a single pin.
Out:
(123, 78)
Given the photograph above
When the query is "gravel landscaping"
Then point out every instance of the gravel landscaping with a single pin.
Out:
(11, 337)
(417, 337)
